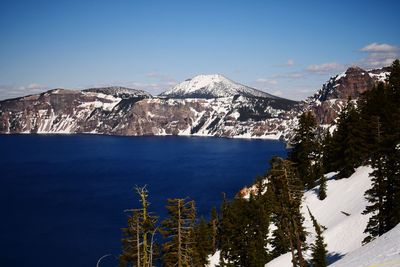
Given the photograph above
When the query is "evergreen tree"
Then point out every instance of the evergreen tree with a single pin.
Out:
(244, 230)
(381, 106)
(318, 249)
(394, 80)
(328, 152)
(392, 142)
(259, 209)
(305, 150)
(347, 142)
(287, 192)
(178, 230)
(203, 242)
(376, 225)
(322, 188)
(214, 229)
(138, 238)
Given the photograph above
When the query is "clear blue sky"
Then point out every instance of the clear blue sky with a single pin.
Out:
(284, 47)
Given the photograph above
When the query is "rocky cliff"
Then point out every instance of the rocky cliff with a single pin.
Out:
(131, 112)
(332, 97)
(207, 105)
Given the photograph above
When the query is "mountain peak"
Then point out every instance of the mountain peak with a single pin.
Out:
(356, 69)
(212, 86)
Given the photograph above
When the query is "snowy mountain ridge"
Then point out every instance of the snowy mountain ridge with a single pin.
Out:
(118, 91)
(206, 105)
(212, 86)
(104, 111)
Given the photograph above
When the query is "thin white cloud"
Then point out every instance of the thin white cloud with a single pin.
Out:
(32, 87)
(375, 47)
(266, 81)
(377, 60)
(12, 91)
(289, 75)
(324, 67)
(289, 63)
(378, 55)
(277, 93)
(160, 77)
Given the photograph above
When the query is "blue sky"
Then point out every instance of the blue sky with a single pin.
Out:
(288, 48)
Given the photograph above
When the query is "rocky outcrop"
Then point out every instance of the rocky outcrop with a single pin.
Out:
(332, 97)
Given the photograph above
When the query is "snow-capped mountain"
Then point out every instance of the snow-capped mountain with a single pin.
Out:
(123, 111)
(207, 105)
(213, 86)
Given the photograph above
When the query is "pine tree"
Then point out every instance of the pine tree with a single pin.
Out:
(178, 230)
(318, 249)
(381, 114)
(305, 149)
(259, 209)
(347, 142)
(203, 242)
(214, 229)
(322, 187)
(394, 80)
(328, 152)
(244, 230)
(131, 241)
(138, 243)
(287, 192)
(392, 143)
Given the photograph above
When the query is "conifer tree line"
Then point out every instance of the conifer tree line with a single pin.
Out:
(241, 231)
(252, 231)
(369, 134)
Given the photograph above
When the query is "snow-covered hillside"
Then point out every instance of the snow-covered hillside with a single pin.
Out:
(213, 86)
(384, 251)
(341, 214)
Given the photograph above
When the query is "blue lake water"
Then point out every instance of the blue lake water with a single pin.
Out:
(62, 198)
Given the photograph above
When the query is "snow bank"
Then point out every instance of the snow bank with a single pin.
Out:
(384, 251)
(213, 260)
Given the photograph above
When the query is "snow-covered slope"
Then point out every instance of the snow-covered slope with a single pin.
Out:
(340, 213)
(121, 92)
(384, 251)
(213, 86)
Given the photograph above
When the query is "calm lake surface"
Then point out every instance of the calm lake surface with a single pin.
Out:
(62, 198)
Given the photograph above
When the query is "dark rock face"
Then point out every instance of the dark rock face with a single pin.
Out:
(354, 82)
